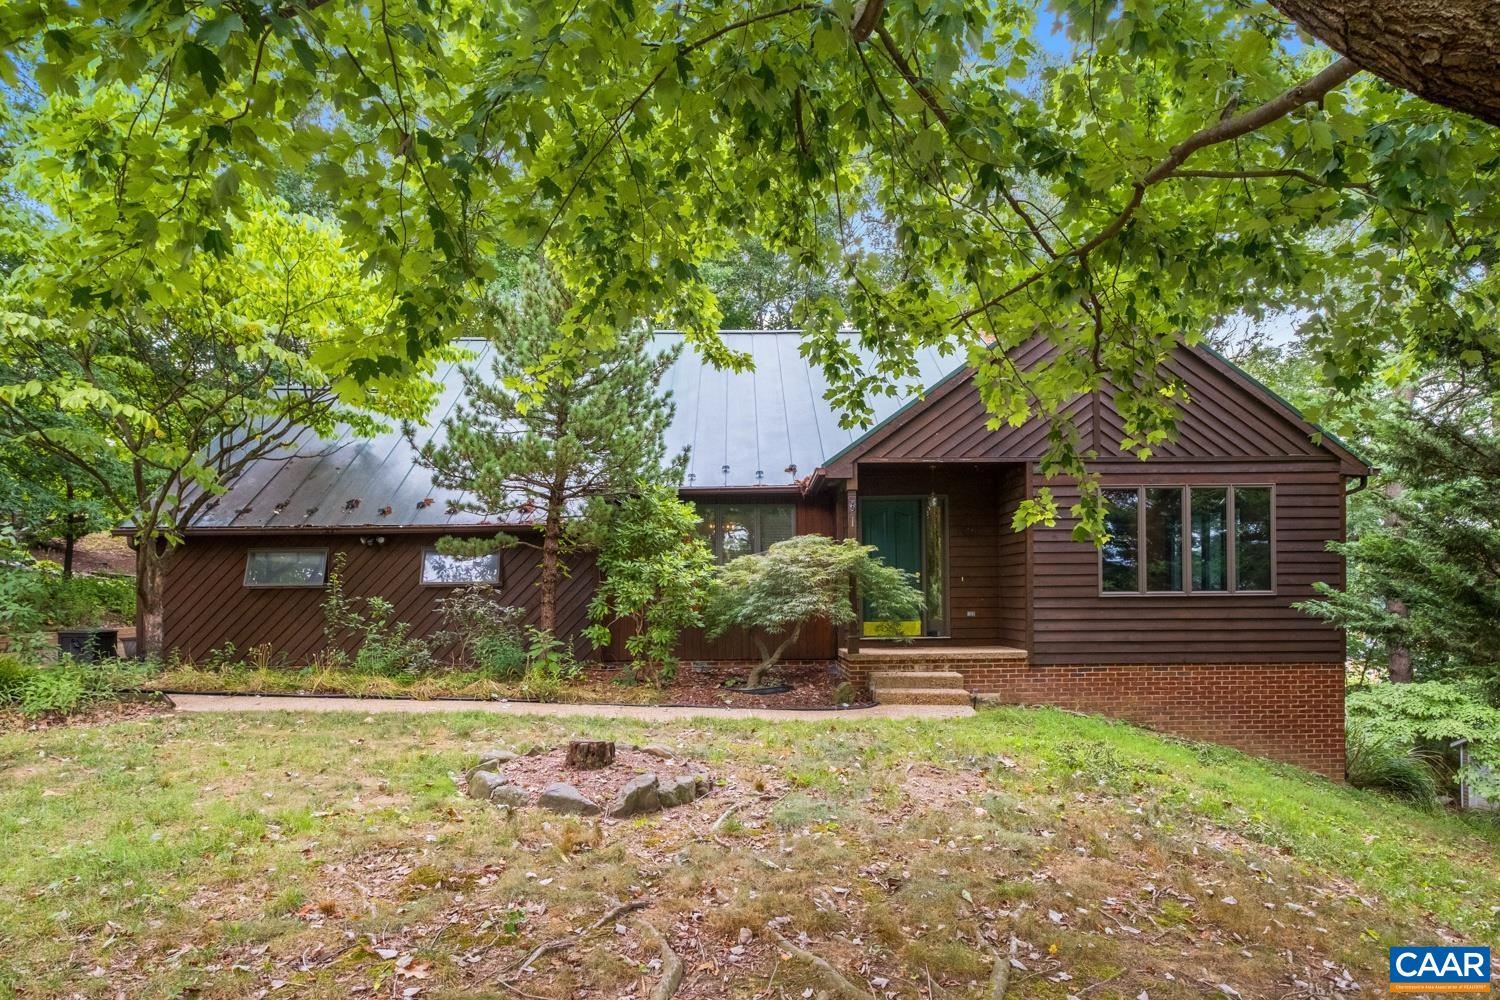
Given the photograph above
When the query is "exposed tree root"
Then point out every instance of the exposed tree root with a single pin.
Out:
(831, 976)
(558, 944)
(1000, 977)
(713, 831)
(671, 965)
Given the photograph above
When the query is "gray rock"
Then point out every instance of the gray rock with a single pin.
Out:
(657, 750)
(677, 791)
(638, 796)
(704, 782)
(496, 757)
(562, 797)
(482, 784)
(513, 796)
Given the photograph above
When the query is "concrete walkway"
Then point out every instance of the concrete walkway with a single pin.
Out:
(646, 713)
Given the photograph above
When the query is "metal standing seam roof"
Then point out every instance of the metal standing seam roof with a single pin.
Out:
(767, 427)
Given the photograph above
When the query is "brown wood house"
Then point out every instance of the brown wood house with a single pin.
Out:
(1184, 621)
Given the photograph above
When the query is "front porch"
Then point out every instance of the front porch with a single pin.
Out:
(949, 526)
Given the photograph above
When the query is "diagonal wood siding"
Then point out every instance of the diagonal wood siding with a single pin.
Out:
(207, 604)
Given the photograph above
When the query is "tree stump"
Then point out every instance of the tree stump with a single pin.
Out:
(589, 755)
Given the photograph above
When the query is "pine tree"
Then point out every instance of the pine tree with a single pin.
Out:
(540, 434)
(1424, 561)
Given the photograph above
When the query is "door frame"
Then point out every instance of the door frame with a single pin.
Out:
(921, 499)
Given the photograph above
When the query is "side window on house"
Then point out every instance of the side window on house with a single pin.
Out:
(439, 570)
(286, 567)
(1198, 539)
(741, 529)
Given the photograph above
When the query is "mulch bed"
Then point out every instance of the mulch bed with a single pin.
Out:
(700, 684)
(534, 773)
(104, 713)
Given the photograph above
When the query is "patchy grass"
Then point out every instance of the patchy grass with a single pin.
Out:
(224, 855)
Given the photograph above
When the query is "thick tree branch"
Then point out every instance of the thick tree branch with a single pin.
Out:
(1312, 89)
(1447, 51)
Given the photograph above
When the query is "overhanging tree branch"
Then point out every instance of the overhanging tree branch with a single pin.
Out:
(1313, 89)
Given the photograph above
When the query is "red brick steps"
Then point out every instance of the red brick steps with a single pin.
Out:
(918, 687)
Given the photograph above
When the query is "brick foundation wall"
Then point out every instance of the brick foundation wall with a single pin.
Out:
(1291, 712)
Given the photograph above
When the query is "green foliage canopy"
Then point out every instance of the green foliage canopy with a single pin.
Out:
(1424, 559)
(654, 570)
(1190, 163)
(1433, 713)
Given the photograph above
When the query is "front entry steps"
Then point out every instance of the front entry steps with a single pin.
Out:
(918, 687)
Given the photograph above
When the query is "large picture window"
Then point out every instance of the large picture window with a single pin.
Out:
(742, 529)
(439, 570)
(286, 567)
(1188, 539)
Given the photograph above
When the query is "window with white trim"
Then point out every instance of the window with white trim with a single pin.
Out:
(286, 567)
(439, 570)
(1188, 539)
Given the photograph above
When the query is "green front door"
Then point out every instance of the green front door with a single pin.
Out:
(894, 526)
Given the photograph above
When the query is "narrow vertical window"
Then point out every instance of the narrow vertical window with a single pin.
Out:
(1121, 554)
(1209, 538)
(934, 564)
(1252, 538)
(1164, 538)
(778, 522)
(736, 532)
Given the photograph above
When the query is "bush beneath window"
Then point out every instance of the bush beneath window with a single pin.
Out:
(482, 630)
(386, 646)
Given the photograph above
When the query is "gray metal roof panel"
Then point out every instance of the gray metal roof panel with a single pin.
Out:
(771, 420)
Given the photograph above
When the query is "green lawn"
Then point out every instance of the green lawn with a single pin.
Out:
(221, 856)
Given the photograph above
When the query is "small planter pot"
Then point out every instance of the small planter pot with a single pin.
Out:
(89, 645)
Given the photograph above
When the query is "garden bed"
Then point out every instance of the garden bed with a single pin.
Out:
(813, 685)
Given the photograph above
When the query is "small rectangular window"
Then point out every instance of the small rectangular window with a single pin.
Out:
(1164, 538)
(286, 567)
(439, 570)
(1252, 538)
(1121, 554)
(740, 529)
(1210, 538)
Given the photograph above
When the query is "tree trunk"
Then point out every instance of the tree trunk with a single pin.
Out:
(69, 524)
(151, 557)
(769, 658)
(551, 544)
(590, 755)
(1447, 51)
(1397, 655)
